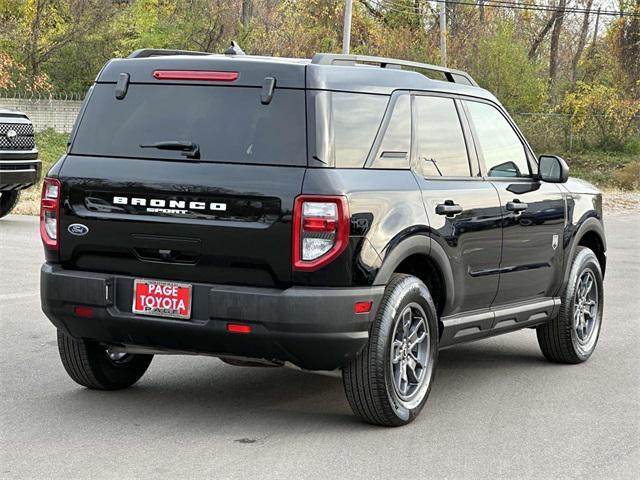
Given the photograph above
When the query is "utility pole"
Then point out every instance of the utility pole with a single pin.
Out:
(443, 33)
(346, 31)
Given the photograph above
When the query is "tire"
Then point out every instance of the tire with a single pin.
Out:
(90, 364)
(561, 340)
(372, 381)
(8, 201)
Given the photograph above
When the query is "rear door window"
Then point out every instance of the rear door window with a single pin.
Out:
(442, 151)
(229, 124)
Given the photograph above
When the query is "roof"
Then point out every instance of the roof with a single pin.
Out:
(347, 73)
(361, 78)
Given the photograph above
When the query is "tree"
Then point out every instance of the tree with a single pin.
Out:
(48, 26)
(541, 35)
(628, 48)
(245, 13)
(14, 77)
(581, 42)
(555, 41)
(503, 67)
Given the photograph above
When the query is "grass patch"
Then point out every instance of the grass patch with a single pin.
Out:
(51, 145)
(606, 170)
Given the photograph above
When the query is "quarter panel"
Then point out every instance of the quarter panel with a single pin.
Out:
(385, 207)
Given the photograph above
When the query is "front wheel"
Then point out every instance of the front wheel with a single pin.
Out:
(573, 335)
(93, 365)
(389, 381)
(8, 201)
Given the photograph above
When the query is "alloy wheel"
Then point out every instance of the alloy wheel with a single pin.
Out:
(410, 350)
(586, 313)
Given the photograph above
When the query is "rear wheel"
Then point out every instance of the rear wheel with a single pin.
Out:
(93, 365)
(389, 382)
(8, 201)
(573, 335)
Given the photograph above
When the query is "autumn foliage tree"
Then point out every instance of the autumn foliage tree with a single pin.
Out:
(535, 59)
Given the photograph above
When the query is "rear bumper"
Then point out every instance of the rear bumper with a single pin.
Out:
(19, 174)
(313, 328)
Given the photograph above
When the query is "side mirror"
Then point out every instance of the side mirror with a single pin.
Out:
(552, 169)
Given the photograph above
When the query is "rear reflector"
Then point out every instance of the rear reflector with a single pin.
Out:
(85, 312)
(207, 76)
(238, 328)
(363, 307)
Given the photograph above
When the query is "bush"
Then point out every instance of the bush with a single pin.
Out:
(628, 177)
(51, 145)
(632, 147)
(607, 170)
(602, 116)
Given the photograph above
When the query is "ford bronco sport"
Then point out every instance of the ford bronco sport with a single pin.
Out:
(19, 164)
(343, 212)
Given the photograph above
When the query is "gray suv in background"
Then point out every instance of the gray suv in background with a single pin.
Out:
(19, 164)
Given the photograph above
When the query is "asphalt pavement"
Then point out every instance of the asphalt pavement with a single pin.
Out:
(497, 408)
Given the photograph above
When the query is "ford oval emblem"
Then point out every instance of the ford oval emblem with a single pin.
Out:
(78, 229)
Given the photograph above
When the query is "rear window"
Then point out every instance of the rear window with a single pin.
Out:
(229, 124)
(344, 126)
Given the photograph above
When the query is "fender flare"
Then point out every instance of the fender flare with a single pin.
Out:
(590, 224)
(418, 245)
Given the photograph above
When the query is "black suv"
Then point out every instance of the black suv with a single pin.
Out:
(345, 212)
(19, 164)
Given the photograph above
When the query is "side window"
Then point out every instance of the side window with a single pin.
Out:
(396, 144)
(356, 118)
(344, 126)
(502, 150)
(440, 142)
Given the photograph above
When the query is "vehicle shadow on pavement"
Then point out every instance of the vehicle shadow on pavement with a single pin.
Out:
(212, 397)
(222, 396)
(482, 355)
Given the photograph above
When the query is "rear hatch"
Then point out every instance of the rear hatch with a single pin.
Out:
(197, 214)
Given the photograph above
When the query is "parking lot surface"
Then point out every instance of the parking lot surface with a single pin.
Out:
(497, 408)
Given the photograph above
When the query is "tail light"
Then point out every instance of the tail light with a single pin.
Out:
(50, 213)
(204, 75)
(320, 230)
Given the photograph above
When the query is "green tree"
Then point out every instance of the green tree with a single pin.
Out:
(502, 65)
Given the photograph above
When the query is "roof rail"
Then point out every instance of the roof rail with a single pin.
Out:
(160, 52)
(454, 76)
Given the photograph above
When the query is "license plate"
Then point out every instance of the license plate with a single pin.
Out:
(162, 299)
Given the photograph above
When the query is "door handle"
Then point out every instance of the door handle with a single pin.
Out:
(448, 208)
(517, 206)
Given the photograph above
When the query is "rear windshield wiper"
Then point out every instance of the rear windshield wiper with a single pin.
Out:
(188, 149)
